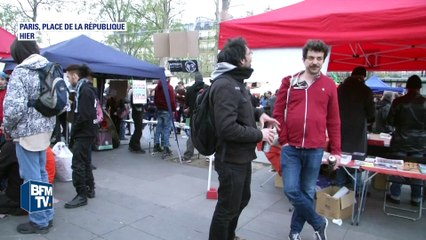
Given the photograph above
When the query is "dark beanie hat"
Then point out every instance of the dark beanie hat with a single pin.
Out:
(414, 82)
(20, 50)
(359, 71)
(198, 77)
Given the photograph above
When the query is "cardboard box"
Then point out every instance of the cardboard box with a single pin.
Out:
(379, 182)
(334, 208)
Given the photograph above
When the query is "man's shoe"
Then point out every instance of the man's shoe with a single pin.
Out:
(157, 148)
(321, 234)
(294, 236)
(167, 151)
(136, 150)
(392, 200)
(30, 227)
(50, 224)
(78, 201)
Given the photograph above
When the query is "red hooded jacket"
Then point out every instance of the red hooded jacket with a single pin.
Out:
(160, 98)
(311, 114)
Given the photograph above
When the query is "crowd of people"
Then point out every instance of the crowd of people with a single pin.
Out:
(309, 113)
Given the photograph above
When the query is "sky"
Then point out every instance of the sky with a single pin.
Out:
(191, 10)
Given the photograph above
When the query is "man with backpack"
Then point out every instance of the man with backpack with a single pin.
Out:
(191, 96)
(237, 135)
(83, 132)
(28, 127)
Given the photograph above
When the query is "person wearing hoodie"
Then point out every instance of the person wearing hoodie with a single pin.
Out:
(237, 134)
(29, 128)
(83, 132)
(191, 97)
(307, 108)
(382, 110)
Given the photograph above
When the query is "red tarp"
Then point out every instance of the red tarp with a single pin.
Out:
(382, 35)
(6, 39)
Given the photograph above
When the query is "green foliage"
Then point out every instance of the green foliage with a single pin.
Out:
(9, 17)
(144, 18)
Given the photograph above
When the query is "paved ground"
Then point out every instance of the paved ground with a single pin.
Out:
(141, 196)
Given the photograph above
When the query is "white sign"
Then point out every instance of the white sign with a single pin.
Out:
(139, 92)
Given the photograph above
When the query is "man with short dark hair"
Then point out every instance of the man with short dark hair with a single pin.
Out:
(237, 133)
(83, 132)
(307, 109)
(191, 97)
(408, 116)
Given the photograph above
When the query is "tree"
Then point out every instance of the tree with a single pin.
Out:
(143, 18)
(29, 9)
(10, 16)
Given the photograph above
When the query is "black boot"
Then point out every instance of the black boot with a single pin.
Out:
(78, 201)
(157, 148)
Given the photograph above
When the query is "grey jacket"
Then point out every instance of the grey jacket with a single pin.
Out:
(19, 119)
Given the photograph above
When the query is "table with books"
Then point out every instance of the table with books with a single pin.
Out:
(391, 167)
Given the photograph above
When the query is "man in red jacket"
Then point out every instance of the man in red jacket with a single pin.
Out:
(307, 109)
(164, 120)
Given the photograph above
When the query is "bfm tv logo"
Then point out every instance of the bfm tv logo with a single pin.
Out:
(36, 196)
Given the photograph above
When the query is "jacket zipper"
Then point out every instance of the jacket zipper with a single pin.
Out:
(304, 122)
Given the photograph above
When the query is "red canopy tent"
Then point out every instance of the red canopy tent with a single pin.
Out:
(6, 39)
(382, 35)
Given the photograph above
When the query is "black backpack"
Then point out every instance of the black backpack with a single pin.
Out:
(53, 96)
(203, 130)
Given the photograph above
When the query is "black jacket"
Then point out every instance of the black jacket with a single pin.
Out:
(235, 119)
(408, 116)
(356, 110)
(9, 171)
(84, 125)
(382, 111)
(191, 95)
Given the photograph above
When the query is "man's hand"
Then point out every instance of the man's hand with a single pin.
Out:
(268, 135)
(271, 122)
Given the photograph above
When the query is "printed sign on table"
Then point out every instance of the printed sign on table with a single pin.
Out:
(139, 92)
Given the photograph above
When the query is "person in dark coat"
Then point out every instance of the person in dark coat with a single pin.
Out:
(356, 103)
(382, 110)
(137, 116)
(408, 116)
(9, 173)
(235, 123)
(83, 132)
(191, 97)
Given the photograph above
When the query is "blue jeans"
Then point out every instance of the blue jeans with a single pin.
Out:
(164, 125)
(300, 170)
(32, 166)
(395, 188)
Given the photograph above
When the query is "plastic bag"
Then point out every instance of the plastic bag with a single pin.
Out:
(63, 162)
(146, 133)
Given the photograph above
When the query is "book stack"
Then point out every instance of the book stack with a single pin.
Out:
(389, 163)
